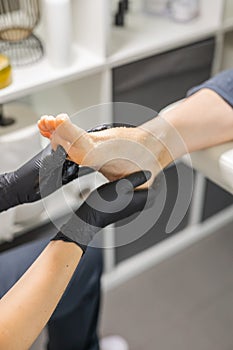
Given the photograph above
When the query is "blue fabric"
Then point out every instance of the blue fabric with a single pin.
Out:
(222, 84)
(73, 324)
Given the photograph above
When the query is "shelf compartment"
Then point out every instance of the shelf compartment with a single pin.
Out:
(147, 35)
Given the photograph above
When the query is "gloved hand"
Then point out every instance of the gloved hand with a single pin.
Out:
(47, 171)
(107, 204)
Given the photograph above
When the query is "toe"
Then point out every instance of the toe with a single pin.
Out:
(41, 125)
(46, 134)
(49, 123)
(61, 118)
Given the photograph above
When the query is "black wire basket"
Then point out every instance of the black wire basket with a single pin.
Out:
(23, 52)
(18, 18)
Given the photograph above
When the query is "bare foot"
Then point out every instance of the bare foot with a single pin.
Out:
(115, 152)
(68, 135)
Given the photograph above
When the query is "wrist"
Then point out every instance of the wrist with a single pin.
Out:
(60, 237)
(66, 248)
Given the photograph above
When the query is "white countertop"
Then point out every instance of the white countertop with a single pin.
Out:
(216, 163)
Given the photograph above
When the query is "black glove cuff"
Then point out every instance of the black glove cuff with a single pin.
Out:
(61, 237)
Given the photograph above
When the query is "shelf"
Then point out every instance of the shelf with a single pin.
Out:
(147, 35)
(27, 80)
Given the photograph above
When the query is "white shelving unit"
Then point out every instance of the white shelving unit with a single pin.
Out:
(98, 47)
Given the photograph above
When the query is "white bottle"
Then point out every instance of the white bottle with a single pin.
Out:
(58, 29)
(156, 7)
(184, 10)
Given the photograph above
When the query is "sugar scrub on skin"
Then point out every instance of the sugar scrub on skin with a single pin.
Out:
(48, 124)
(121, 132)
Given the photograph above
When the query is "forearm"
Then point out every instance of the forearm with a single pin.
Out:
(27, 307)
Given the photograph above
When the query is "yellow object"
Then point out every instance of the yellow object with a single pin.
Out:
(5, 72)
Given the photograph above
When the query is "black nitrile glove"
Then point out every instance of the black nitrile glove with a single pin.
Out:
(24, 185)
(106, 205)
(46, 172)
